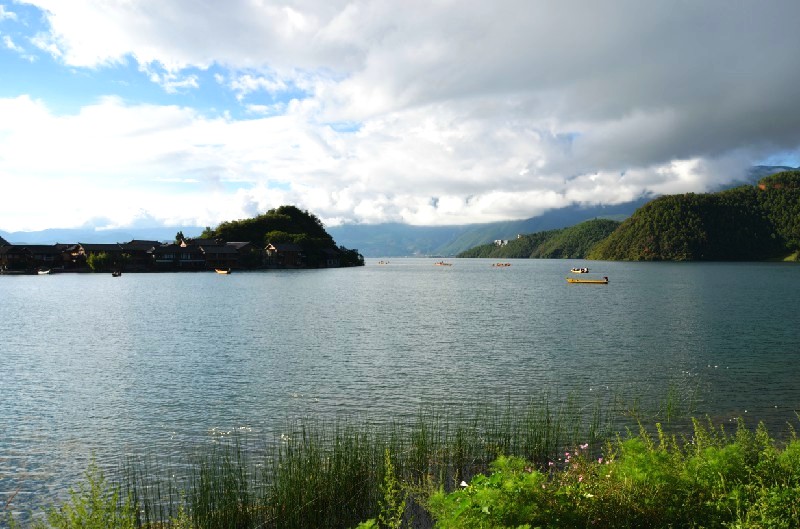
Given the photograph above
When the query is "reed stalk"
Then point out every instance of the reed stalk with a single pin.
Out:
(332, 474)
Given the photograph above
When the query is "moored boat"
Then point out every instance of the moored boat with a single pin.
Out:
(222, 270)
(603, 281)
(583, 270)
(43, 271)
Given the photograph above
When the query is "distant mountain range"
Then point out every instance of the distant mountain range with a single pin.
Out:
(396, 240)
(91, 235)
(390, 239)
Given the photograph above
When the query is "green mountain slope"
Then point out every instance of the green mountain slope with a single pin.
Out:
(746, 223)
(573, 242)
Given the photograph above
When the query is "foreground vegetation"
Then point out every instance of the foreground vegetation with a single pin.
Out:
(517, 467)
(708, 480)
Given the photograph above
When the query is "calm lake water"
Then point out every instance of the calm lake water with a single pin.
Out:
(92, 364)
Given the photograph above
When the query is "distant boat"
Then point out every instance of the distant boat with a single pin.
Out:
(43, 272)
(501, 265)
(579, 270)
(603, 281)
(442, 263)
(116, 273)
(222, 270)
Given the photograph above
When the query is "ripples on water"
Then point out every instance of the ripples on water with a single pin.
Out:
(156, 362)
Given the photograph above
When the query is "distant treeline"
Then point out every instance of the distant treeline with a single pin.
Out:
(565, 243)
(747, 223)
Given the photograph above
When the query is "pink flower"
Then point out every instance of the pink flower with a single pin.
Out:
(600, 460)
(584, 446)
(580, 478)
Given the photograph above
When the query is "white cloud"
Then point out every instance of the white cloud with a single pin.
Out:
(8, 42)
(7, 15)
(422, 112)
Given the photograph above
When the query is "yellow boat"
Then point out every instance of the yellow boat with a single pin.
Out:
(603, 281)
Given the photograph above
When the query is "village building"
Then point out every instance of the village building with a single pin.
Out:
(154, 256)
(289, 255)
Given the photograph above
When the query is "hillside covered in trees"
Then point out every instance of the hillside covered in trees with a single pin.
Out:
(287, 225)
(565, 243)
(747, 223)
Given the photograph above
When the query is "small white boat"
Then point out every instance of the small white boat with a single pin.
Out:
(579, 270)
(43, 271)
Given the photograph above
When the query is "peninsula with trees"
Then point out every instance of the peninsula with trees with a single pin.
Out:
(747, 223)
(285, 237)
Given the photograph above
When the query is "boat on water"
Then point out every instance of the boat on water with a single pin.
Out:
(222, 270)
(501, 265)
(603, 281)
(116, 273)
(43, 271)
(442, 263)
(579, 270)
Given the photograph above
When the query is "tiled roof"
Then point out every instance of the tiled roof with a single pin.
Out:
(204, 242)
(140, 245)
(219, 250)
(238, 245)
(95, 248)
(41, 249)
(286, 247)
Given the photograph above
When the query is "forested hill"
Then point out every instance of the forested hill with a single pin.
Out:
(745, 223)
(286, 225)
(573, 242)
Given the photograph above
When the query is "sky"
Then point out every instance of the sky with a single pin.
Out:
(141, 113)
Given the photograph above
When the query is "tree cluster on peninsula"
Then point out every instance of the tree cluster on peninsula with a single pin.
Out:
(286, 225)
(747, 223)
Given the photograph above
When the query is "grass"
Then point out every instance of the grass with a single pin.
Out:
(710, 479)
(342, 473)
(540, 465)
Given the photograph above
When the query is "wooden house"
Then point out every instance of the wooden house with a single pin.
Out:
(140, 254)
(287, 255)
(31, 256)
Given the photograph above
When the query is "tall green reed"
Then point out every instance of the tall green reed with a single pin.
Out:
(331, 474)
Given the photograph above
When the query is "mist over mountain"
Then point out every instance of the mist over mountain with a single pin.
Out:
(397, 240)
(393, 239)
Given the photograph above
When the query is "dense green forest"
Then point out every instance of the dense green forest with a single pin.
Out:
(565, 243)
(286, 224)
(747, 223)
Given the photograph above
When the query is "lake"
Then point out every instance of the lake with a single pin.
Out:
(95, 365)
